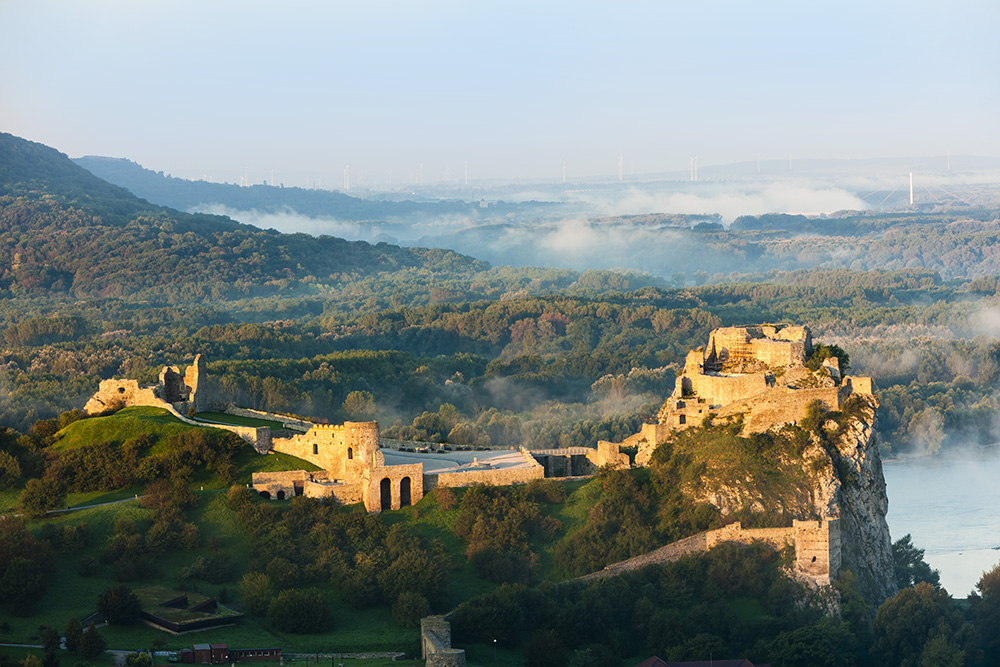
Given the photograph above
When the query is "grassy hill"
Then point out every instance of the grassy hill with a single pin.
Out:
(76, 234)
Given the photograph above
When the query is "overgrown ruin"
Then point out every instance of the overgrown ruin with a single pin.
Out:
(754, 376)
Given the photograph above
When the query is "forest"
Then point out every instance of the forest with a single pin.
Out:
(445, 347)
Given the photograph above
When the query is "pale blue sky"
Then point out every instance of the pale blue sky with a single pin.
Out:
(303, 88)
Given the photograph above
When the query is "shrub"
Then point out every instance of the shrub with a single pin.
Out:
(92, 643)
(255, 592)
(409, 608)
(299, 611)
(119, 605)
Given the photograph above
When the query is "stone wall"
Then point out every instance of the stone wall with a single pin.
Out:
(343, 449)
(114, 394)
(860, 385)
(609, 454)
(400, 481)
(783, 405)
(817, 548)
(499, 477)
(312, 484)
(435, 643)
(565, 462)
(286, 421)
(724, 389)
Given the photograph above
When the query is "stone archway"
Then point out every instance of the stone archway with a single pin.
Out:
(385, 489)
(265, 494)
(280, 495)
(404, 491)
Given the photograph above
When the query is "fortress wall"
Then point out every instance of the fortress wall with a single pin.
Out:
(435, 643)
(286, 421)
(344, 494)
(817, 549)
(114, 394)
(778, 538)
(609, 454)
(781, 406)
(860, 385)
(324, 445)
(259, 437)
(724, 389)
(501, 477)
(396, 474)
(778, 353)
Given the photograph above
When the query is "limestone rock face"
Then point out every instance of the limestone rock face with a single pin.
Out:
(840, 478)
(853, 489)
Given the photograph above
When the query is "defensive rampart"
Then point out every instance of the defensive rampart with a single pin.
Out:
(435, 643)
(495, 477)
(288, 422)
(343, 449)
(817, 548)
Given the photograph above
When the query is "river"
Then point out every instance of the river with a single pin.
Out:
(951, 507)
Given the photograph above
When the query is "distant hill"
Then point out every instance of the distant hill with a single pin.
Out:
(65, 231)
(186, 195)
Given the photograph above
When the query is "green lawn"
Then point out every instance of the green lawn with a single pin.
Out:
(235, 420)
(123, 425)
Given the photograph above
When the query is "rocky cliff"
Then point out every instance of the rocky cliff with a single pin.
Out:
(851, 486)
(827, 469)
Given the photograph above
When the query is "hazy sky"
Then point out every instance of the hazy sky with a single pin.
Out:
(304, 88)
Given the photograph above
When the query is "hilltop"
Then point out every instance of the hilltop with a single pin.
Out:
(184, 195)
(65, 231)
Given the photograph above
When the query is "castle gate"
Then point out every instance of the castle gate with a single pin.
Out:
(385, 488)
(404, 492)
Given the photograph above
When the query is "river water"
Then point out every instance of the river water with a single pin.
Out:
(951, 507)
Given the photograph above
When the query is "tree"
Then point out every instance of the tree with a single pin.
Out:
(409, 608)
(908, 564)
(119, 605)
(41, 495)
(22, 584)
(360, 406)
(74, 632)
(919, 623)
(986, 610)
(92, 643)
(256, 592)
(136, 659)
(299, 611)
(546, 649)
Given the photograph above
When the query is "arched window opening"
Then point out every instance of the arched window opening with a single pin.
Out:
(350, 453)
(315, 449)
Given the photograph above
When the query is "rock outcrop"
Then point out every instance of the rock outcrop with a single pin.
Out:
(851, 486)
(755, 380)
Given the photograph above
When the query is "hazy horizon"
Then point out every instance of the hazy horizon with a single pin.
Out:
(224, 89)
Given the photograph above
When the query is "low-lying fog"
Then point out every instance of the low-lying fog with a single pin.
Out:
(584, 230)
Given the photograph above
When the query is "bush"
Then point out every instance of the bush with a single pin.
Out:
(255, 592)
(299, 611)
(119, 605)
(41, 495)
(445, 498)
(92, 643)
(409, 608)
